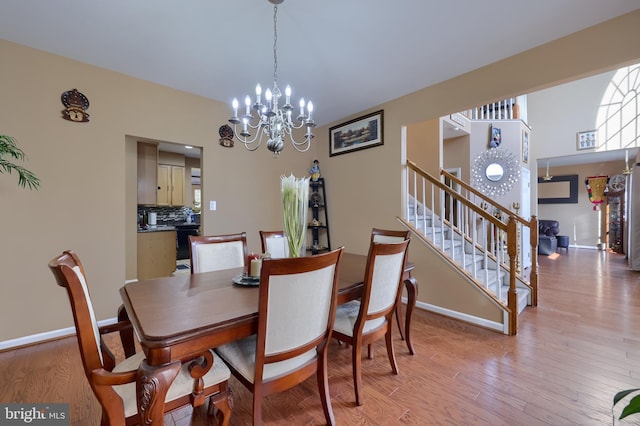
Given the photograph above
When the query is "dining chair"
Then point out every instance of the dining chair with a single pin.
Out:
(297, 305)
(274, 243)
(390, 236)
(114, 385)
(363, 322)
(217, 252)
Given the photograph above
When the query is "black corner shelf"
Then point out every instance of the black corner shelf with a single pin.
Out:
(320, 241)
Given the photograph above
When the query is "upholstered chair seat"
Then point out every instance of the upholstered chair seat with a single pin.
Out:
(182, 385)
(347, 315)
(243, 354)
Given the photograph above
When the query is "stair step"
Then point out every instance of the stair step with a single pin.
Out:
(521, 292)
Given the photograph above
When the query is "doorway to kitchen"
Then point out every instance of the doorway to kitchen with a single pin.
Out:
(172, 198)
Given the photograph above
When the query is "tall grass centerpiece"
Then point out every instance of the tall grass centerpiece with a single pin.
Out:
(295, 205)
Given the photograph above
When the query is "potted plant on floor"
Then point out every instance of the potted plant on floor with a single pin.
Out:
(632, 407)
(9, 149)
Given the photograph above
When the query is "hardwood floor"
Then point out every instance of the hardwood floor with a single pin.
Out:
(571, 355)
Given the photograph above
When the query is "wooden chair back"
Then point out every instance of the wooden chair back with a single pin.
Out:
(388, 236)
(274, 243)
(216, 252)
(382, 283)
(297, 306)
(69, 273)
(111, 383)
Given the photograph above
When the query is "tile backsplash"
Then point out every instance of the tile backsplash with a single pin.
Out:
(168, 215)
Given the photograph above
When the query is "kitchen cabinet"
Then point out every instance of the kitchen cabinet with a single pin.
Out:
(171, 185)
(156, 254)
(147, 173)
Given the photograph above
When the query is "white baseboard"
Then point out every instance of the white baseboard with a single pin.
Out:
(48, 335)
(462, 317)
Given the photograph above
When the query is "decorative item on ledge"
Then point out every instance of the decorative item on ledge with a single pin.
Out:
(627, 170)
(547, 177)
(273, 121)
(586, 140)
(495, 171)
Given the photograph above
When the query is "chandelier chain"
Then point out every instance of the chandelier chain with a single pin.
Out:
(275, 44)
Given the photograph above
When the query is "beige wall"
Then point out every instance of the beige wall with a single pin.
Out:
(87, 200)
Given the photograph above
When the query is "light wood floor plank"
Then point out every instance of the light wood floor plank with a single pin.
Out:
(571, 355)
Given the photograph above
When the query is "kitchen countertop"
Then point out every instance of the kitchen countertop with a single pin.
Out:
(158, 228)
(162, 228)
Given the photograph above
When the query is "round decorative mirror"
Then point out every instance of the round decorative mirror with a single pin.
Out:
(494, 172)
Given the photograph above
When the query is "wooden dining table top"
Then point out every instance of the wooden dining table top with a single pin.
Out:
(187, 310)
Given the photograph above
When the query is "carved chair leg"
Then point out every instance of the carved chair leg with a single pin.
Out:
(357, 374)
(323, 388)
(221, 404)
(398, 315)
(126, 336)
(390, 352)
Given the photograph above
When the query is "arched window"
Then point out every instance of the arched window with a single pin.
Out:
(618, 119)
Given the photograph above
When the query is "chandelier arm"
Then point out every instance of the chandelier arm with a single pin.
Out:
(246, 141)
(306, 141)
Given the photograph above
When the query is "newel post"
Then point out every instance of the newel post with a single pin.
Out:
(512, 250)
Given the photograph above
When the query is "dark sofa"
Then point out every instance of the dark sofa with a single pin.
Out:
(547, 232)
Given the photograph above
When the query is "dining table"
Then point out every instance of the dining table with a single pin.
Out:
(180, 318)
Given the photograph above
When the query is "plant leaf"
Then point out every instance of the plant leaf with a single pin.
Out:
(622, 394)
(632, 408)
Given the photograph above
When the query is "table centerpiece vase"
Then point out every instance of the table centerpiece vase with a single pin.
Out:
(295, 200)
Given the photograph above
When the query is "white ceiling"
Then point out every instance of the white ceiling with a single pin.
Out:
(346, 56)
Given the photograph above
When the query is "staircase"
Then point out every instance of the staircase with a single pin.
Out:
(475, 235)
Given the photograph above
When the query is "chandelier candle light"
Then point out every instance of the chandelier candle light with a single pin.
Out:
(274, 121)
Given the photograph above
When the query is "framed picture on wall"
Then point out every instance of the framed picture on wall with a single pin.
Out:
(361, 133)
(525, 146)
(586, 140)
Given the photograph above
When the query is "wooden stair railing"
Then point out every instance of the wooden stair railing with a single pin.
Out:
(460, 208)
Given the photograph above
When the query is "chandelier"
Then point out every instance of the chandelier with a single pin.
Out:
(274, 122)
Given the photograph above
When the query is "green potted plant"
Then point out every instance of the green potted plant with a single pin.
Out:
(9, 149)
(633, 406)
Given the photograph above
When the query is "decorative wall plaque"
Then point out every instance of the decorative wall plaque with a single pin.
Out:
(76, 105)
(226, 136)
